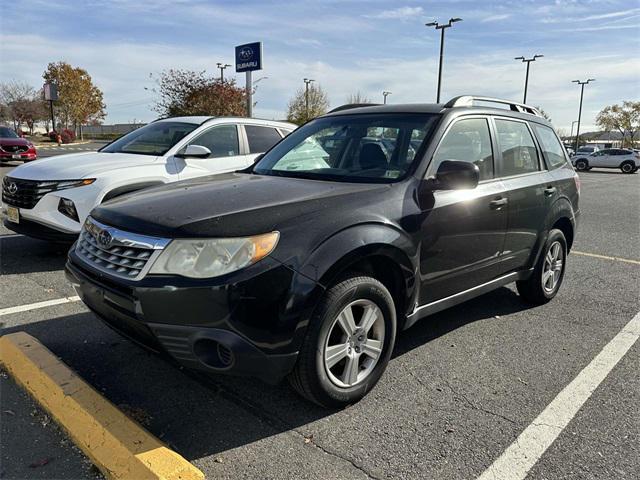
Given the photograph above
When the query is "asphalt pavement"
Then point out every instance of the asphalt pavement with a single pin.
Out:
(461, 387)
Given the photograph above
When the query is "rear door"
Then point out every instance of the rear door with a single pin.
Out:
(529, 185)
(224, 143)
(260, 138)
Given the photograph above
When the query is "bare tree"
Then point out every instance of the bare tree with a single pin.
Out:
(318, 104)
(21, 103)
(358, 98)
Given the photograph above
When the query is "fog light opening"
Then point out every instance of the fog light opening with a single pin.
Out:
(213, 354)
(67, 208)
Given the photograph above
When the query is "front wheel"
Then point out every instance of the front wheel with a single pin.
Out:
(348, 345)
(548, 274)
(582, 165)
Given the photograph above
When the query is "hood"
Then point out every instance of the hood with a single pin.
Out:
(231, 205)
(78, 165)
(14, 141)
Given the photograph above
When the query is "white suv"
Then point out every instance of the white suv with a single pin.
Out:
(625, 159)
(50, 198)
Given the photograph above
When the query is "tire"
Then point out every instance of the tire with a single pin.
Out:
(313, 377)
(582, 165)
(628, 167)
(534, 290)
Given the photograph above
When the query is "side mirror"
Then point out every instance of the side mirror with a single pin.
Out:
(456, 175)
(194, 151)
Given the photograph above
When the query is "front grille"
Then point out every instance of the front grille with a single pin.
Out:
(14, 148)
(118, 253)
(25, 193)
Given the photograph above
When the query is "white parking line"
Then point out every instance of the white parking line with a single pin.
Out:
(524, 453)
(606, 257)
(34, 306)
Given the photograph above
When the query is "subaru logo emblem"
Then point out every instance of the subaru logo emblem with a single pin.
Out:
(12, 188)
(104, 239)
(245, 54)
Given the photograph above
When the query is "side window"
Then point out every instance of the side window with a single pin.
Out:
(221, 140)
(468, 141)
(519, 153)
(551, 146)
(261, 139)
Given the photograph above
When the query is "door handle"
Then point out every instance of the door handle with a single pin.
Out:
(549, 191)
(498, 203)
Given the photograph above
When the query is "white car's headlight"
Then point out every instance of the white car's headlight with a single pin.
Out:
(207, 258)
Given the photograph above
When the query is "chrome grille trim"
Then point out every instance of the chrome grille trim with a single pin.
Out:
(125, 255)
(14, 148)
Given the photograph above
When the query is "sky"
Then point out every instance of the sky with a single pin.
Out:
(345, 45)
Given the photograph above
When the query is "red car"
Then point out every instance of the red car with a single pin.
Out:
(12, 147)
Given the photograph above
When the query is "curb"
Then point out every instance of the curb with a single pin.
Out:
(116, 444)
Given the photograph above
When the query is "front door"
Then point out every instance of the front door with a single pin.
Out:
(223, 141)
(463, 230)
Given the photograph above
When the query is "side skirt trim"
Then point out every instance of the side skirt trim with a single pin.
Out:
(444, 303)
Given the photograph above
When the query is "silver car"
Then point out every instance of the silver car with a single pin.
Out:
(625, 159)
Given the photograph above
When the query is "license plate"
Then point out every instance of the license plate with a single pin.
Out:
(13, 214)
(16, 156)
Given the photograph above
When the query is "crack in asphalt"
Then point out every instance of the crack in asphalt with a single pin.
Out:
(278, 424)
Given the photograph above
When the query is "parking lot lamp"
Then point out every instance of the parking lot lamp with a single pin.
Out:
(572, 124)
(307, 82)
(385, 95)
(442, 29)
(526, 78)
(222, 66)
(582, 83)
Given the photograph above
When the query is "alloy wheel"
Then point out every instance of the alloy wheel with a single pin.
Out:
(552, 269)
(354, 343)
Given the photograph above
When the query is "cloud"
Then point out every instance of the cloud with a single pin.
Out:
(401, 13)
(495, 18)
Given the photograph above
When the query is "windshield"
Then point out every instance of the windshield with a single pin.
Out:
(377, 148)
(153, 139)
(7, 133)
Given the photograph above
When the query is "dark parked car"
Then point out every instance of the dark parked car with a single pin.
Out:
(309, 270)
(12, 147)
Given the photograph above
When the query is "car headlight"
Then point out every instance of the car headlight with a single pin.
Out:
(64, 184)
(207, 258)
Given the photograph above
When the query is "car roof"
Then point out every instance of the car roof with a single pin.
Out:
(456, 106)
(200, 120)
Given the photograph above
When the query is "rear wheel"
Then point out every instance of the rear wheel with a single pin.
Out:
(349, 343)
(548, 274)
(582, 165)
(628, 167)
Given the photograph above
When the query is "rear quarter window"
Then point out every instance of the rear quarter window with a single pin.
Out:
(551, 147)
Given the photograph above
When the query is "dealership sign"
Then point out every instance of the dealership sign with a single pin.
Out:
(249, 57)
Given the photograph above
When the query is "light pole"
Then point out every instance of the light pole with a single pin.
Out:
(222, 66)
(572, 124)
(526, 78)
(582, 84)
(385, 95)
(307, 82)
(442, 29)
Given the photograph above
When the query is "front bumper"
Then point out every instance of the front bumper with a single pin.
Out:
(22, 157)
(39, 231)
(232, 328)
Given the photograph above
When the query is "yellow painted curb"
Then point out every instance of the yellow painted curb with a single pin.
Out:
(116, 444)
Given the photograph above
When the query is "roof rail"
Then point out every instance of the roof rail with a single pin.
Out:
(352, 105)
(468, 101)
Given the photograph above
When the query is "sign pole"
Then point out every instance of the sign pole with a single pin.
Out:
(53, 122)
(249, 94)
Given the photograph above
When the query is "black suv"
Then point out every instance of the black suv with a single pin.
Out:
(353, 227)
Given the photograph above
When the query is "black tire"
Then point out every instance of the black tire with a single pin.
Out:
(582, 165)
(310, 378)
(628, 167)
(532, 289)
